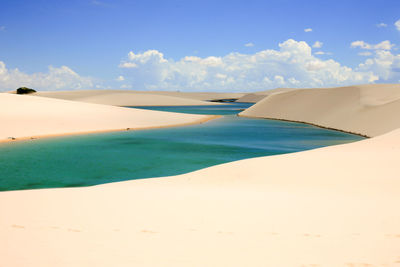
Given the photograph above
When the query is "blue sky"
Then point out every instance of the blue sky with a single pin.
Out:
(91, 39)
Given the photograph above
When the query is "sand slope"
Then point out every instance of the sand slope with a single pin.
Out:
(23, 116)
(138, 98)
(257, 96)
(333, 207)
(366, 109)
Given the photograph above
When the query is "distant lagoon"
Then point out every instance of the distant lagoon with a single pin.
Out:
(84, 160)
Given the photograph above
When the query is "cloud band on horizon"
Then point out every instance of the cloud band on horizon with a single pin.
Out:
(292, 65)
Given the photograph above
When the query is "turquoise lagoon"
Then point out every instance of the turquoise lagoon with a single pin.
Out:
(109, 157)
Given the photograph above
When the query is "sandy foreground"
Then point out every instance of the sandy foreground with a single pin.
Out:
(368, 110)
(25, 117)
(139, 98)
(333, 206)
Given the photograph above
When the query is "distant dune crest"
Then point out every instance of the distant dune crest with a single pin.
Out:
(368, 110)
(140, 98)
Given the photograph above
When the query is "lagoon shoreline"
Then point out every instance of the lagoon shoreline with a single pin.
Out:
(308, 123)
(199, 121)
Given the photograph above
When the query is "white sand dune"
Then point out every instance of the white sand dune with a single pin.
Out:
(258, 96)
(335, 206)
(23, 116)
(136, 99)
(365, 109)
(139, 98)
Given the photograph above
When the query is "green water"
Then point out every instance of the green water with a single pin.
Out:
(108, 157)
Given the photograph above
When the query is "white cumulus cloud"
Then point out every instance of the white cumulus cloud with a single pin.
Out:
(127, 65)
(381, 25)
(292, 65)
(317, 44)
(54, 79)
(308, 30)
(249, 45)
(397, 24)
(384, 45)
(361, 44)
(150, 56)
(384, 64)
(120, 78)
